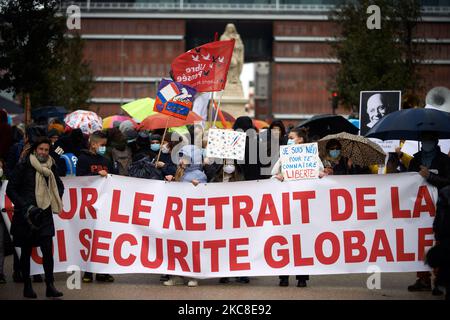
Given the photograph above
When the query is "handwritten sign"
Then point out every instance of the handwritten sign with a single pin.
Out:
(226, 144)
(300, 161)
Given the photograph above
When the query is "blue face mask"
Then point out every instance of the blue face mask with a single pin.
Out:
(290, 142)
(335, 153)
(101, 150)
(155, 147)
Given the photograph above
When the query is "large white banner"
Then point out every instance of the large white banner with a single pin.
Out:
(338, 224)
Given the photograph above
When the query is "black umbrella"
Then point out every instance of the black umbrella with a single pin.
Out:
(326, 124)
(410, 123)
(49, 112)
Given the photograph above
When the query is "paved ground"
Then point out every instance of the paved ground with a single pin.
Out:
(148, 286)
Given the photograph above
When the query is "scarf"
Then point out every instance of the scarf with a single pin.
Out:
(46, 194)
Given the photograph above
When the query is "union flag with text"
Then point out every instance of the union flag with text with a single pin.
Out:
(204, 68)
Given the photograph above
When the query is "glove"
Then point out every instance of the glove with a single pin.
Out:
(33, 217)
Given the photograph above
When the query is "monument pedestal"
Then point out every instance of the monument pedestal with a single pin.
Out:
(234, 106)
(233, 100)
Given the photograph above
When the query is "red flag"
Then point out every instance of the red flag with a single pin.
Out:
(204, 68)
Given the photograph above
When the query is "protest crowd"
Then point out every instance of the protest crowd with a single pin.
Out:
(36, 155)
(35, 158)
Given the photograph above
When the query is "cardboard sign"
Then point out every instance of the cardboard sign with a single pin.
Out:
(300, 161)
(226, 144)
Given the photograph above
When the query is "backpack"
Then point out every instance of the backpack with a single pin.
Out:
(71, 163)
(146, 169)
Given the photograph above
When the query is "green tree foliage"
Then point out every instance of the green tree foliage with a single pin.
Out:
(71, 81)
(377, 59)
(37, 57)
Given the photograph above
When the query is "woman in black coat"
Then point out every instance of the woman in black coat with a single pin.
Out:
(31, 225)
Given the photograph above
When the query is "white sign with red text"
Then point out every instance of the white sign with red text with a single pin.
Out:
(337, 224)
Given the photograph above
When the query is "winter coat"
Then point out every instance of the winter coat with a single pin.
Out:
(341, 168)
(90, 164)
(121, 160)
(441, 163)
(441, 223)
(215, 173)
(21, 191)
(194, 172)
(170, 168)
(13, 157)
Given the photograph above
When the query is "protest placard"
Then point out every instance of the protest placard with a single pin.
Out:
(226, 144)
(174, 99)
(300, 161)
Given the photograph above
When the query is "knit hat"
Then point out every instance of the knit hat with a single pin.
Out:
(53, 132)
(155, 137)
(126, 125)
(56, 126)
(142, 140)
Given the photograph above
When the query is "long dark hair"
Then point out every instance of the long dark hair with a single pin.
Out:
(301, 132)
(279, 124)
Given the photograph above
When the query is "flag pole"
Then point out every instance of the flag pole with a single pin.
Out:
(162, 139)
(211, 108)
(218, 107)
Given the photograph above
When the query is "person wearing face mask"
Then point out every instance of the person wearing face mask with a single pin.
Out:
(226, 171)
(335, 163)
(190, 170)
(223, 171)
(92, 162)
(434, 166)
(155, 145)
(296, 136)
(165, 163)
(36, 190)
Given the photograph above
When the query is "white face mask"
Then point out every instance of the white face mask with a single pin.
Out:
(165, 149)
(229, 168)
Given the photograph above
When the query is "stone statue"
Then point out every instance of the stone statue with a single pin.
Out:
(233, 99)
(237, 60)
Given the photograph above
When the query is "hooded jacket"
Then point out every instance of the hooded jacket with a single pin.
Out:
(90, 164)
(441, 163)
(194, 170)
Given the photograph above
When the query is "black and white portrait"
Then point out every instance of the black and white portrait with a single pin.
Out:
(373, 105)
